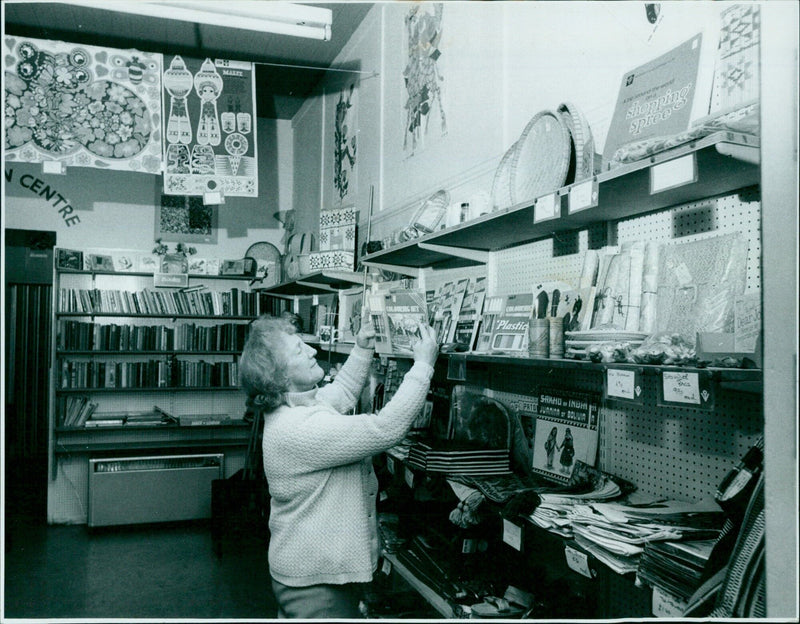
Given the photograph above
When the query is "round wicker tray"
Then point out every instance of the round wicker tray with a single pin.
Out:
(582, 142)
(501, 185)
(541, 159)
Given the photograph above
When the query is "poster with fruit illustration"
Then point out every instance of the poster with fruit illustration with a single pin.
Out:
(82, 105)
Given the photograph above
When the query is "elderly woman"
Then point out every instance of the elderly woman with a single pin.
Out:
(318, 463)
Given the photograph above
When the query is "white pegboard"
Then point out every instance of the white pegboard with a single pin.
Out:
(728, 214)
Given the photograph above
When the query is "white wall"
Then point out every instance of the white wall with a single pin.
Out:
(116, 209)
(501, 63)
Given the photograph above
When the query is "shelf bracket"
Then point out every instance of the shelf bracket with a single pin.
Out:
(316, 286)
(395, 268)
(458, 252)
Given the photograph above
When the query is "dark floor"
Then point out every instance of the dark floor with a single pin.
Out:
(156, 571)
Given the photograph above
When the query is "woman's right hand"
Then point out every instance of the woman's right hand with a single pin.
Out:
(426, 349)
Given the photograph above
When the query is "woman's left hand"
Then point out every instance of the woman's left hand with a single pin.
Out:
(366, 336)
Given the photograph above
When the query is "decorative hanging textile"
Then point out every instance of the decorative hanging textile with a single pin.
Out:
(82, 105)
(209, 127)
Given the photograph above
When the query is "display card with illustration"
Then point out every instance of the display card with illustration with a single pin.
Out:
(566, 431)
(209, 127)
(396, 317)
(82, 105)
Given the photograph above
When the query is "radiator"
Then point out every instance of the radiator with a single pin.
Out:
(135, 490)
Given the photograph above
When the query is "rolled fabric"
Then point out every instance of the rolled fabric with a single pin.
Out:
(649, 303)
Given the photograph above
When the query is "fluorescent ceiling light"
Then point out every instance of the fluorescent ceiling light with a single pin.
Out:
(283, 18)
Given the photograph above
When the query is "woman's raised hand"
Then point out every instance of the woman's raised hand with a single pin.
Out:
(426, 349)
(366, 335)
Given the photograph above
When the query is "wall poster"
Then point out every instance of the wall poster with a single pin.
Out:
(423, 81)
(344, 142)
(209, 127)
(185, 219)
(82, 105)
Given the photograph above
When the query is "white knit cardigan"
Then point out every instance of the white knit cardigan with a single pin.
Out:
(318, 464)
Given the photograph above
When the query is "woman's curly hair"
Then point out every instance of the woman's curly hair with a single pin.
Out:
(262, 372)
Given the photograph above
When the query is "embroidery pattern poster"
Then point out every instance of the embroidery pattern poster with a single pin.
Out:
(82, 105)
(209, 127)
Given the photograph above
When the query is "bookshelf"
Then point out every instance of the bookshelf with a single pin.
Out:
(120, 345)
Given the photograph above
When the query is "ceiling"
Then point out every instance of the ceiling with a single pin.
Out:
(280, 91)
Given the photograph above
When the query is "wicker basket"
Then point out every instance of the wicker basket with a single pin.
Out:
(501, 185)
(582, 155)
(541, 158)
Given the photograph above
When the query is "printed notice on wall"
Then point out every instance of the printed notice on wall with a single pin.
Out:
(656, 98)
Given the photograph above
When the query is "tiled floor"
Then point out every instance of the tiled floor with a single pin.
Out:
(159, 571)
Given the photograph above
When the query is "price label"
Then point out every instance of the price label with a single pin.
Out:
(409, 476)
(681, 387)
(546, 207)
(624, 384)
(55, 167)
(386, 567)
(687, 388)
(673, 173)
(577, 561)
(512, 534)
(584, 195)
(390, 464)
(666, 605)
(213, 198)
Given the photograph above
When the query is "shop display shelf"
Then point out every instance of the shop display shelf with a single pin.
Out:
(201, 276)
(71, 352)
(154, 389)
(321, 282)
(217, 317)
(725, 162)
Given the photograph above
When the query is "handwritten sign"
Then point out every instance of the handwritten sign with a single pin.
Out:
(681, 387)
(547, 207)
(577, 561)
(621, 384)
(673, 173)
(582, 196)
(687, 389)
(512, 534)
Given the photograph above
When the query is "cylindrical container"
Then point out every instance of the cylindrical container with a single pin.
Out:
(556, 337)
(539, 338)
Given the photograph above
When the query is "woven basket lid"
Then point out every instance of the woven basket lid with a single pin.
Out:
(541, 159)
(501, 185)
(582, 140)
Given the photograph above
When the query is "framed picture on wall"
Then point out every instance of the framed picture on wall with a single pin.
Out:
(185, 219)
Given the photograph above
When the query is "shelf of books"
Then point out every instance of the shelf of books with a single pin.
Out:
(717, 164)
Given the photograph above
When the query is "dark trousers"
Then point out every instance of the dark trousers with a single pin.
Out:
(318, 601)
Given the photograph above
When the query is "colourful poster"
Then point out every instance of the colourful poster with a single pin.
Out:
(82, 105)
(209, 127)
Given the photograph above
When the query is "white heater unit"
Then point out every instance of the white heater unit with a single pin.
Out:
(135, 490)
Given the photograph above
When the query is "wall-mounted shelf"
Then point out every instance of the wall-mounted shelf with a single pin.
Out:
(164, 316)
(69, 352)
(725, 162)
(154, 389)
(147, 274)
(83, 439)
(321, 282)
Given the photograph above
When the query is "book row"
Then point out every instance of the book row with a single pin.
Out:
(149, 374)
(80, 335)
(194, 301)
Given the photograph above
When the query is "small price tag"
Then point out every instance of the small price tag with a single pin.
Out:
(625, 385)
(56, 167)
(546, 207)
(213, 198)
(390, 464)
(584, 195)
(577, 561)
(687, 388)
(512, 534)
(386, 567)
(666, 605)
(409, 476)
(681, 387)
(383, 496)
(673, 173)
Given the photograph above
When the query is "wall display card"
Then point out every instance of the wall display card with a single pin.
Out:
(510, 330)
(82, 105)
(396, 317)
(470, 314)
(686, 389)
(337, 229)
(566, 431)
(656, 98)
(209, 127)
(447, 304)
